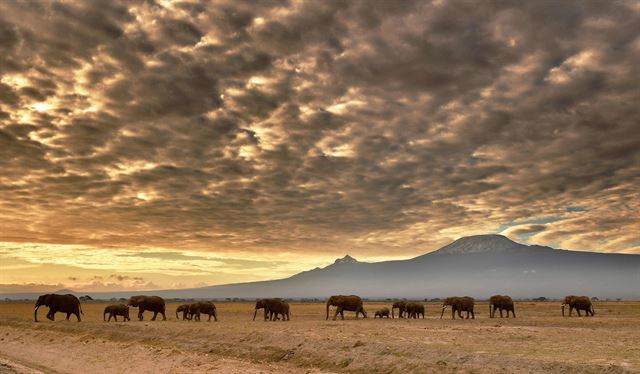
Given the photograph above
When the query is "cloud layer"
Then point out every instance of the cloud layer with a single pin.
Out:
(377, 128)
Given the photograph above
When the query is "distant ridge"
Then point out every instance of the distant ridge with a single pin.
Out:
(484, 244)
(478, 266)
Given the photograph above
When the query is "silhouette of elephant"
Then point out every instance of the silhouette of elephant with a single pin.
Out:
(58, 303)
(184, 309)
(384, 312)
(115, 311)
(459, 304)
(501, 303)
(272, 308)
(351, 303)
(578, 303)
(204, 307)
(402, 308)
(153, 304)
(415, 310)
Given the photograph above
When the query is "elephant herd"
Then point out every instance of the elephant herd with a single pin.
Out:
(276, 308)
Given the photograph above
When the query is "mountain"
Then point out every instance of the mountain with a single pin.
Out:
(478, 266)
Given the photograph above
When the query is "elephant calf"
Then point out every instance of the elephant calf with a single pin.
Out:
(115, 311)
(384, 312)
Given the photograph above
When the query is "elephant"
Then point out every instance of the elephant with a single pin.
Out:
(501, 303)
(351, 303)
(459, 304)
(414, 310)
(184, 309)
(115, 311)
(153, 304)
(58, 303)
(384, 312)
(402, 307)
(272, 307)
(205, 307)
(578, 303)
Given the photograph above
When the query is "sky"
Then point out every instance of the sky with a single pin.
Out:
(174, 144)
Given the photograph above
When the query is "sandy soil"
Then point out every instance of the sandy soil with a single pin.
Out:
(539, 340)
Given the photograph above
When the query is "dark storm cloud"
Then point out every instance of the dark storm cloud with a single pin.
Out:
(320, 126)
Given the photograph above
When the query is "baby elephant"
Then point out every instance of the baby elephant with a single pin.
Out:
(116, 310)
(384, 312)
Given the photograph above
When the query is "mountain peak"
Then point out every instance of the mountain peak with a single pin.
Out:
(346, 260)
(481, 244)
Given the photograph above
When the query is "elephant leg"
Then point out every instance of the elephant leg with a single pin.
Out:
(501, 313)
(115, 317)
(473, 315)
(140, 316)
(68, 315)
(453, 313)
(578, 310)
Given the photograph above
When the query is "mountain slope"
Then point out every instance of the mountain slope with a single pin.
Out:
(477, 266)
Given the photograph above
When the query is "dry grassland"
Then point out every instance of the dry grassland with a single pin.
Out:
(539, 340)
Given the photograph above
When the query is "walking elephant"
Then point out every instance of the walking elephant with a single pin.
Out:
(578, 303)
(184, 309)
(272, 308)
(501, 303)
(351, 303)
(58, 303)
(205, 307)
(459, 304)
(401, 306)
(415, 310)
(153, 304)
(115, 311)
(384, 312)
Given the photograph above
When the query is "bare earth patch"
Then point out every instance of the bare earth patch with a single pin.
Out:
(539, 340)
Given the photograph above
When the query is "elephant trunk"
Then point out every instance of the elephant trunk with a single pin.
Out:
(562, 310)
(443, 308)
(328, 304)
(35, 313)
(392, 315)
(490, 314)
(254, 314)
(104, 316)
(177, 315)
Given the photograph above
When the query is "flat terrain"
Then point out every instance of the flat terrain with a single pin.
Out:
(539, 340)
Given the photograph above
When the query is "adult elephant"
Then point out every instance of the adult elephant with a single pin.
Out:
(184, 309)
(401, 306)
(350, 303)
(501, 303)
(415, 310)
(58, 303)
(272, 307)
(459, 304)
(205, 307)
(115, 311)
(153, 304)
(578, 303)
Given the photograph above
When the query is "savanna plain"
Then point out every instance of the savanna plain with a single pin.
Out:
(538, 340)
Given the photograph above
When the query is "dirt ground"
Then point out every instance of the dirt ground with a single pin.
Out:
(539, 340)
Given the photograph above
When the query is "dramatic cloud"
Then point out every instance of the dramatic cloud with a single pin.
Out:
(302, 129)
